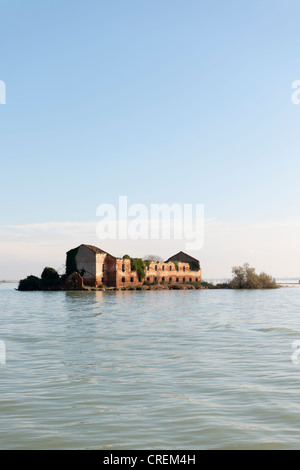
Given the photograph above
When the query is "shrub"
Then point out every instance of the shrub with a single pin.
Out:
(222, 285)
(245, 277)
(30, 283)
(138, 265)
(131, 288)
(203, 284)
(267, 282)
(50, 278)
(50, 274)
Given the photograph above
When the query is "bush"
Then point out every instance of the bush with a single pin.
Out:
(199, 284)
(30, 283)
(131, 288)
(50, 279)
(245, 277)
(138, 265)
(222, 285)
(50, 274)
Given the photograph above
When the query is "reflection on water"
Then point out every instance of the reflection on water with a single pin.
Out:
(146, 370)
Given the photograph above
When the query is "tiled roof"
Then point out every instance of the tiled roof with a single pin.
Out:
(95, 249)
(183, 258)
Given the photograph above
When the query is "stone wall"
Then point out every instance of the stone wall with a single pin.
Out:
(100, 268)
(86, 261)
(156, 273)
(124, 276)
(168, 273)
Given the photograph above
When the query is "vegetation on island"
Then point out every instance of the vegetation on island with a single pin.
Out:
(244, 277)
(137, 265)
(49, 280)
(176, 265)
(30, 283)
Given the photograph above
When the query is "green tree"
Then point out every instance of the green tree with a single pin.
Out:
(30, 283)
(50, 274)
(245, 277)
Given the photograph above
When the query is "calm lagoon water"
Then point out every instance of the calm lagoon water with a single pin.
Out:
(150, 370)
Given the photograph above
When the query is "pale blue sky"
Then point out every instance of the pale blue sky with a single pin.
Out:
(163, 101)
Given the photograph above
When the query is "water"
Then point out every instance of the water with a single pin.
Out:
(206, 369)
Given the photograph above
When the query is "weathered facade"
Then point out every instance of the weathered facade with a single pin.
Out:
(99, 268)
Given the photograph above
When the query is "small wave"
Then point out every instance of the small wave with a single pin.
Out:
(279, 329)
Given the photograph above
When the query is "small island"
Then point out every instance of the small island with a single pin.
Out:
(89, 268)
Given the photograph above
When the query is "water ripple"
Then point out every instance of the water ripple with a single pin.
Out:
(149, 370)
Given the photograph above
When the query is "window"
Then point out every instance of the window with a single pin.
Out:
(156, 267)
(170, 268)
(148, 268)
(196, 279)
(163, 279)
(163, 268)
(190, 279)
(184, 268)
(123, 279)
(148, 279)
(170, 280)
(102, 280)
(155, 279)
(177, 279)
(183, 280)
(123, 268)
(131, 279)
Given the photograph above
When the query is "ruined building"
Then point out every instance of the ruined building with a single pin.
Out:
(97, 268)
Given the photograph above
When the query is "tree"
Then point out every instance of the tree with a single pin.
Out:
(30, 283)
(155, 258)
(50, 274)
(245, 277)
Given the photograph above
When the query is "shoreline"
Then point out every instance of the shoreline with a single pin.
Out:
(173, 287)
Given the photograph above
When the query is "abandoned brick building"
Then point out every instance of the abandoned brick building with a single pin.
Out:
(96, 267)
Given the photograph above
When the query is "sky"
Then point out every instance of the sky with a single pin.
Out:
(164, 102)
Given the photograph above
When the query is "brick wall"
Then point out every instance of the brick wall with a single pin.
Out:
(124, 276)
(167, 272)
(104, 269)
